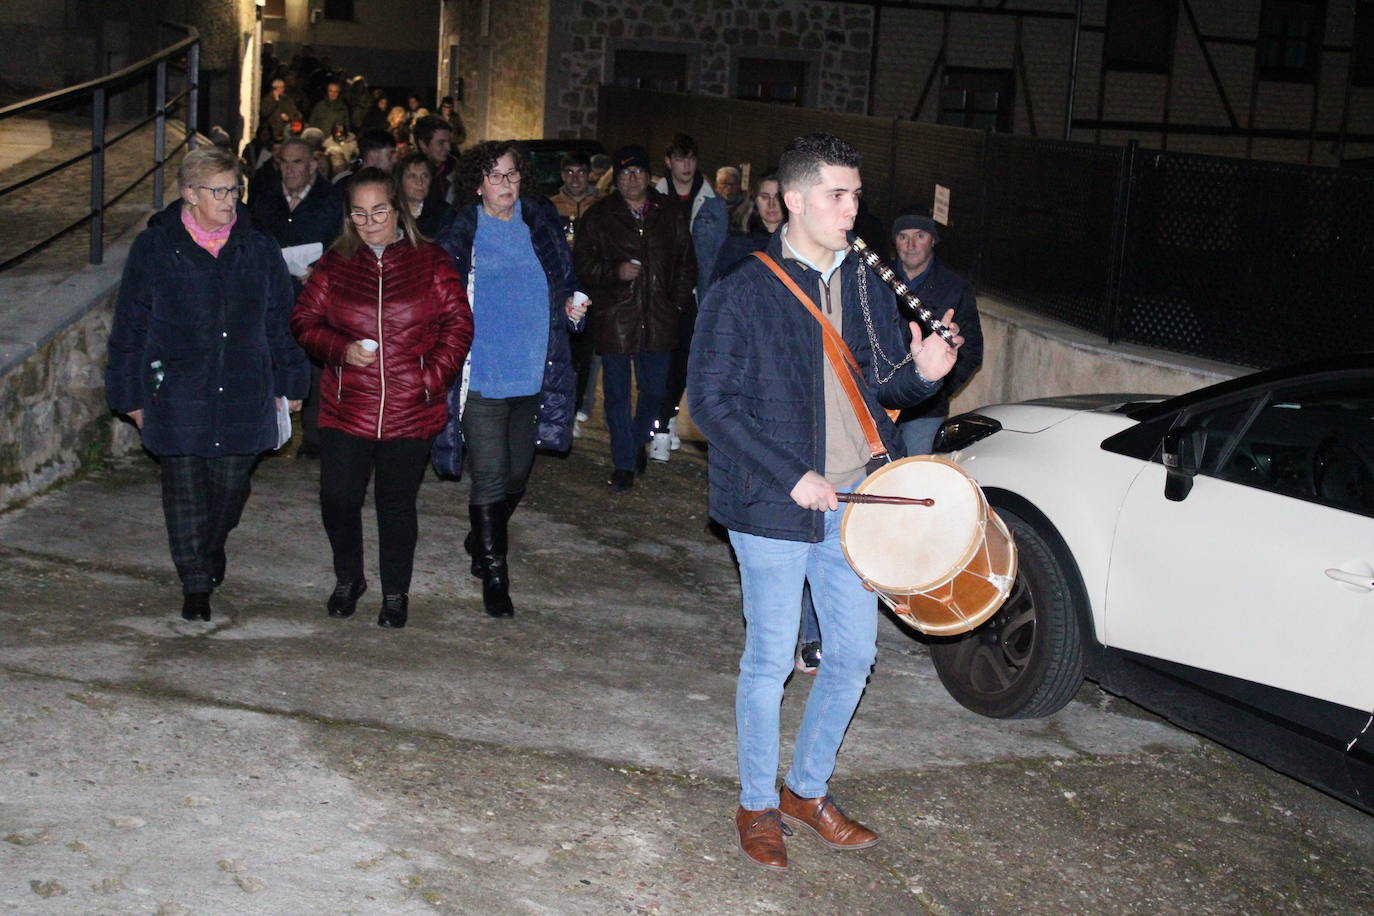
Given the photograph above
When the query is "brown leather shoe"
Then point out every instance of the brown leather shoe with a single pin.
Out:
(825, 819)
(760, 836)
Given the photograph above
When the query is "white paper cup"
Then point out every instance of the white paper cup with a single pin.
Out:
(579, 297)
(368, 344)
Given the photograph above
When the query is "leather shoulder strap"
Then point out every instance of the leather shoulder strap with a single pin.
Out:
(840, 358)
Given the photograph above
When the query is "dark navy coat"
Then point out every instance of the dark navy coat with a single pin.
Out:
(317, 218)
(755, 387)
(941, 289)
(556, 403)
(202, 344)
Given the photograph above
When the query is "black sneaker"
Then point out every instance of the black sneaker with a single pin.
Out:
(345, 598)
(195, 606)
(809, 658)
(621, 480)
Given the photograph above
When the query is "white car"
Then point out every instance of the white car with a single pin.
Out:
(1210, 556)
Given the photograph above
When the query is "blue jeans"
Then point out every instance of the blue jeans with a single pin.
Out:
(629, 435)
(771, 576)
(919, 435)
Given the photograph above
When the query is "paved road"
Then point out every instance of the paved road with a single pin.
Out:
(578, 759)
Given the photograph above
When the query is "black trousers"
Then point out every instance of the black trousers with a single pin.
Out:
(498, 437)
(347, 462)
(583, 349)
(677, 370)
(202, 501)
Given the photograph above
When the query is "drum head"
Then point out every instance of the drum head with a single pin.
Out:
(908, 549)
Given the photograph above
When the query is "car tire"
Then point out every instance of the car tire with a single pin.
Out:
(1026, 661)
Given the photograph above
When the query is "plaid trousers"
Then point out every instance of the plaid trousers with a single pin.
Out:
(202, 500)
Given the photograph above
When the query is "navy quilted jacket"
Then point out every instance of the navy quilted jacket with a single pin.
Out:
(201, 344)
(555, 417)
(755, 387)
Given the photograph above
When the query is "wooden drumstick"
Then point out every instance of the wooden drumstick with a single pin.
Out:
(883, 500)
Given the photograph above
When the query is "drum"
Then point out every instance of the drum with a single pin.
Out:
(943, 569)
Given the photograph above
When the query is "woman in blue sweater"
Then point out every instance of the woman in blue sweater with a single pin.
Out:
(517, 391)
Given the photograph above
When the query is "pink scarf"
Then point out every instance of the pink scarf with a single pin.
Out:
(212, 240)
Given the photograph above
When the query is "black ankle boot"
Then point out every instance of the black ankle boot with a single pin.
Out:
(394, 611)
(470, 542)
(195, 606)
(489, 537)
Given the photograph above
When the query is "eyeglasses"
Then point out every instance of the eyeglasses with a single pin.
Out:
(633, 171)
(511, 177)
(362, 217)
(221, 193)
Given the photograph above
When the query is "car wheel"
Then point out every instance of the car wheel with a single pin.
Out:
(1027, 659)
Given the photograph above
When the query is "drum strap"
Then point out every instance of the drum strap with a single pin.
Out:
(841, 360)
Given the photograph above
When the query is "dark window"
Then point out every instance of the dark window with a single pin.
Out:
(661, 70)
(274, 9)
(1290, 40)
(1314, 442)
(1362, 46)
(763, 79)
(977, 98)
(338, 9)
(1140, 35)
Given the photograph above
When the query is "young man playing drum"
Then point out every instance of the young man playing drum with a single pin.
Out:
(785, 441)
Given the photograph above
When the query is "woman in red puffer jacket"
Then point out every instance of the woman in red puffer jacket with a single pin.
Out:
(387, 316)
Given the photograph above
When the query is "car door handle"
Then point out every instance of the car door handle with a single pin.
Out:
(1361, 581)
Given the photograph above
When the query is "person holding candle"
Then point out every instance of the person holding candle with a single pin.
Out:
(387, 316)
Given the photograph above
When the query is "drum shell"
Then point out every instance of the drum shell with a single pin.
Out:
(942, 591)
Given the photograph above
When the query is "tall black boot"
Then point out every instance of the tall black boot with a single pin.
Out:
(470, 542)
(489, 530)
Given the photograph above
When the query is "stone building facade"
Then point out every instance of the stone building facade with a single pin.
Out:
(890, 59)
(1185, 97)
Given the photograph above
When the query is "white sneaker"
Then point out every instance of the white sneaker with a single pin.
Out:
(674, 442)
(582, 416)
(577, 427)
(659, 449)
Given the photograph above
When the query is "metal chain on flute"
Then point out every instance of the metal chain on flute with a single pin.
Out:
(888, 276)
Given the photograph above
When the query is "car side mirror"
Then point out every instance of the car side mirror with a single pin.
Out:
(1183, 447)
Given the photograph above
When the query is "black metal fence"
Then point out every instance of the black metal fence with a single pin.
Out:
(1248, 262)
(91, 100)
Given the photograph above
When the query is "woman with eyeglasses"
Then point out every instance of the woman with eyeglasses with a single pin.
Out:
(517, 395)
(386, 315)
(200, 359)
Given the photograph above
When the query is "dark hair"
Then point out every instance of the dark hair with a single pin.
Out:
(425, 129)
(412, 159)
(800, 165)
(373, 140)
(575, 157)
(682, 145)
(348, 242)
(474, 164)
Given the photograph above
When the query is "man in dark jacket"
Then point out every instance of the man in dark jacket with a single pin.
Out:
(300, 211)
(634, 256)
(784, 442)
(914, 235)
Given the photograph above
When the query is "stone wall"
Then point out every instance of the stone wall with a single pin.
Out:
(835, 39)
(53, 417)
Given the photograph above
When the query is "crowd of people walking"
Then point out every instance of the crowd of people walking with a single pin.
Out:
(430, 307)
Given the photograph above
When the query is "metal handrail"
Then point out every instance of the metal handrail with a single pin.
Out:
(96, 91)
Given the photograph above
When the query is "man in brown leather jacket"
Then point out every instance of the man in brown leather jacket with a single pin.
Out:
(634, 258)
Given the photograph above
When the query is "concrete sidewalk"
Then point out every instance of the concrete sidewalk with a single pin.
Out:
(576, 759)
